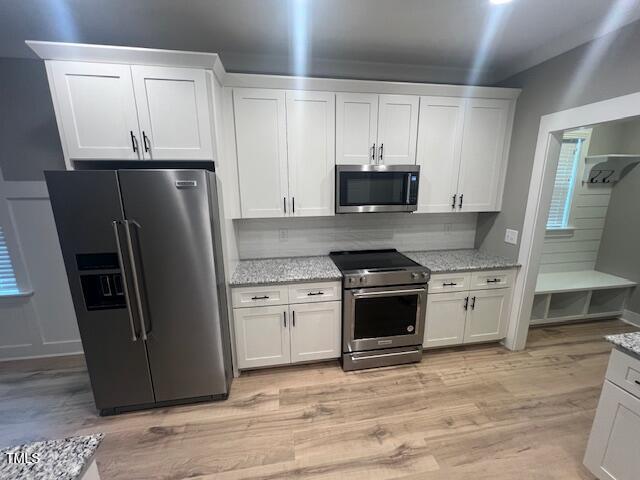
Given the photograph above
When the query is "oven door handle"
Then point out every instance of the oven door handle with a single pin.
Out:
(390, 293)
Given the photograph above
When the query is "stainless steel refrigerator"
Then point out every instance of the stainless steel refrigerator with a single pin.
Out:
(143, 254)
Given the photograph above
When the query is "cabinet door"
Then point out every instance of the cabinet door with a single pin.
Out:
(356, 128)
(173, 108)
(445, 319)
(315, 331)
(438, 154)
(613, 451)
(397, 129)
(487, 315)
(311, 135)
(261, 137)
(262, 336)
(97, 110)
(482, 157)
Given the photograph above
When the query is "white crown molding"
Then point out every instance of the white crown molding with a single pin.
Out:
(135, 55)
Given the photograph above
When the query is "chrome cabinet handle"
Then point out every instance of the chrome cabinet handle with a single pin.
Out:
(380, 153)
(134, 142)
(453, 203)
(373, 153)
(146, 142)
(461, 197)
(473, 303)
(136, 284)
(125, 283)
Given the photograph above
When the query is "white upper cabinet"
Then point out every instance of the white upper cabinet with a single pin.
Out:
(397, 129)
(128, 112)
(311, 149)
(356, 128)
(96, 110)
(461, 151)
(482, 157)
(173, 110)
(439, 145)
(260, 121)
(376, 129)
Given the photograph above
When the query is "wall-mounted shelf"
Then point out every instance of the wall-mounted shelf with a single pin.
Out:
(608, 169)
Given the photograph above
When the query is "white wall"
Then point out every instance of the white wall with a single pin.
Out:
(43, 323)
(262, 238)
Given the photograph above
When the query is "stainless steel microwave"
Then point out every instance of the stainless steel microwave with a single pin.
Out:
(377, 188)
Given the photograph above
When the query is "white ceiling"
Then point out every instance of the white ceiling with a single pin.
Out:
(429, 40)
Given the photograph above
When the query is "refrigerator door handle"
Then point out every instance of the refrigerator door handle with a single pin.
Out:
(136, 282)
(125, 282)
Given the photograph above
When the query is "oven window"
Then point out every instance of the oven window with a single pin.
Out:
(373, 188)
(385, 316)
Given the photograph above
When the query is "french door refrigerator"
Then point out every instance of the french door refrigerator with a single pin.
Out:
(142, 250)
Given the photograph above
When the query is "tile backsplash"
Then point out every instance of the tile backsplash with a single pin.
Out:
(282, 237)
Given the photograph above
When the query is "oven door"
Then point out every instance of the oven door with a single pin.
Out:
(383, 317)
(376, 188)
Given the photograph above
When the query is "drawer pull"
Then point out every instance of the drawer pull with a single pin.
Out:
(263, 297)
(637, 382)
(312, 294)
(494, 280)
(450, 284)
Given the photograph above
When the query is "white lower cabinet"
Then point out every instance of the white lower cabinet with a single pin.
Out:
(486, 315)
(613, 451)
(315, 331)
(446, 319)
(262, 336)
(288, 333)
(464, 315)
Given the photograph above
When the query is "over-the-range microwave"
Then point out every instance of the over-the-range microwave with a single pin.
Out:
(377, 188)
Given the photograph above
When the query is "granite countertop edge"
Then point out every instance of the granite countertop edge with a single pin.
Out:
(320, 268)
(626, 342)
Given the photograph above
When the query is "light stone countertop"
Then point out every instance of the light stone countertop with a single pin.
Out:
(629, 342)
(467, 260)
(271, 271)
(64, 459)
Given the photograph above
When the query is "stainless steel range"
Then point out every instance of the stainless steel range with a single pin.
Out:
(384, 307)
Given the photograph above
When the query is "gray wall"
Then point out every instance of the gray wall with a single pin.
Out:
(29, 141)
(547, 88)
(620, 248)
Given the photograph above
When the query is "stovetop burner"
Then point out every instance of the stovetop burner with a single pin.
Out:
(378, 268)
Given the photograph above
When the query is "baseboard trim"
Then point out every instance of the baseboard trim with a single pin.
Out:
(630, 317)
(41, 355)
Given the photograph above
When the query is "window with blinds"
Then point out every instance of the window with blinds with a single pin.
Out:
(8, 284)
(564, 184)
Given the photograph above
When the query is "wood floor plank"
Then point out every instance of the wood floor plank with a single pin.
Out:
(474, 412)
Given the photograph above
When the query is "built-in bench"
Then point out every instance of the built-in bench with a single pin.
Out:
(587, 294)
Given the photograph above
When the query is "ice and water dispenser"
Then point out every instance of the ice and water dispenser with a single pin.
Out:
(101, 281)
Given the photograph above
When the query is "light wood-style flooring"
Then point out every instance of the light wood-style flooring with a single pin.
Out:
(478, 412)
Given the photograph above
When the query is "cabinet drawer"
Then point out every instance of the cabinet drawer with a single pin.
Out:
(624, 371)
(491, 279)
(315, 292)
(260, 296)
(449, 282)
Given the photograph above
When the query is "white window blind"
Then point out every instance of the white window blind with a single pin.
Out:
(564, 183)
(8, 284)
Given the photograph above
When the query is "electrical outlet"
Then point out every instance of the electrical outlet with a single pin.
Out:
(283, 234)
(511, 236)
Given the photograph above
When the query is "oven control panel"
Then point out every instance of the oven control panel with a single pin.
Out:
(380, 278)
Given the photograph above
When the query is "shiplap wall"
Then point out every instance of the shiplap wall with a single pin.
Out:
(262, 238)
(579, 250)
